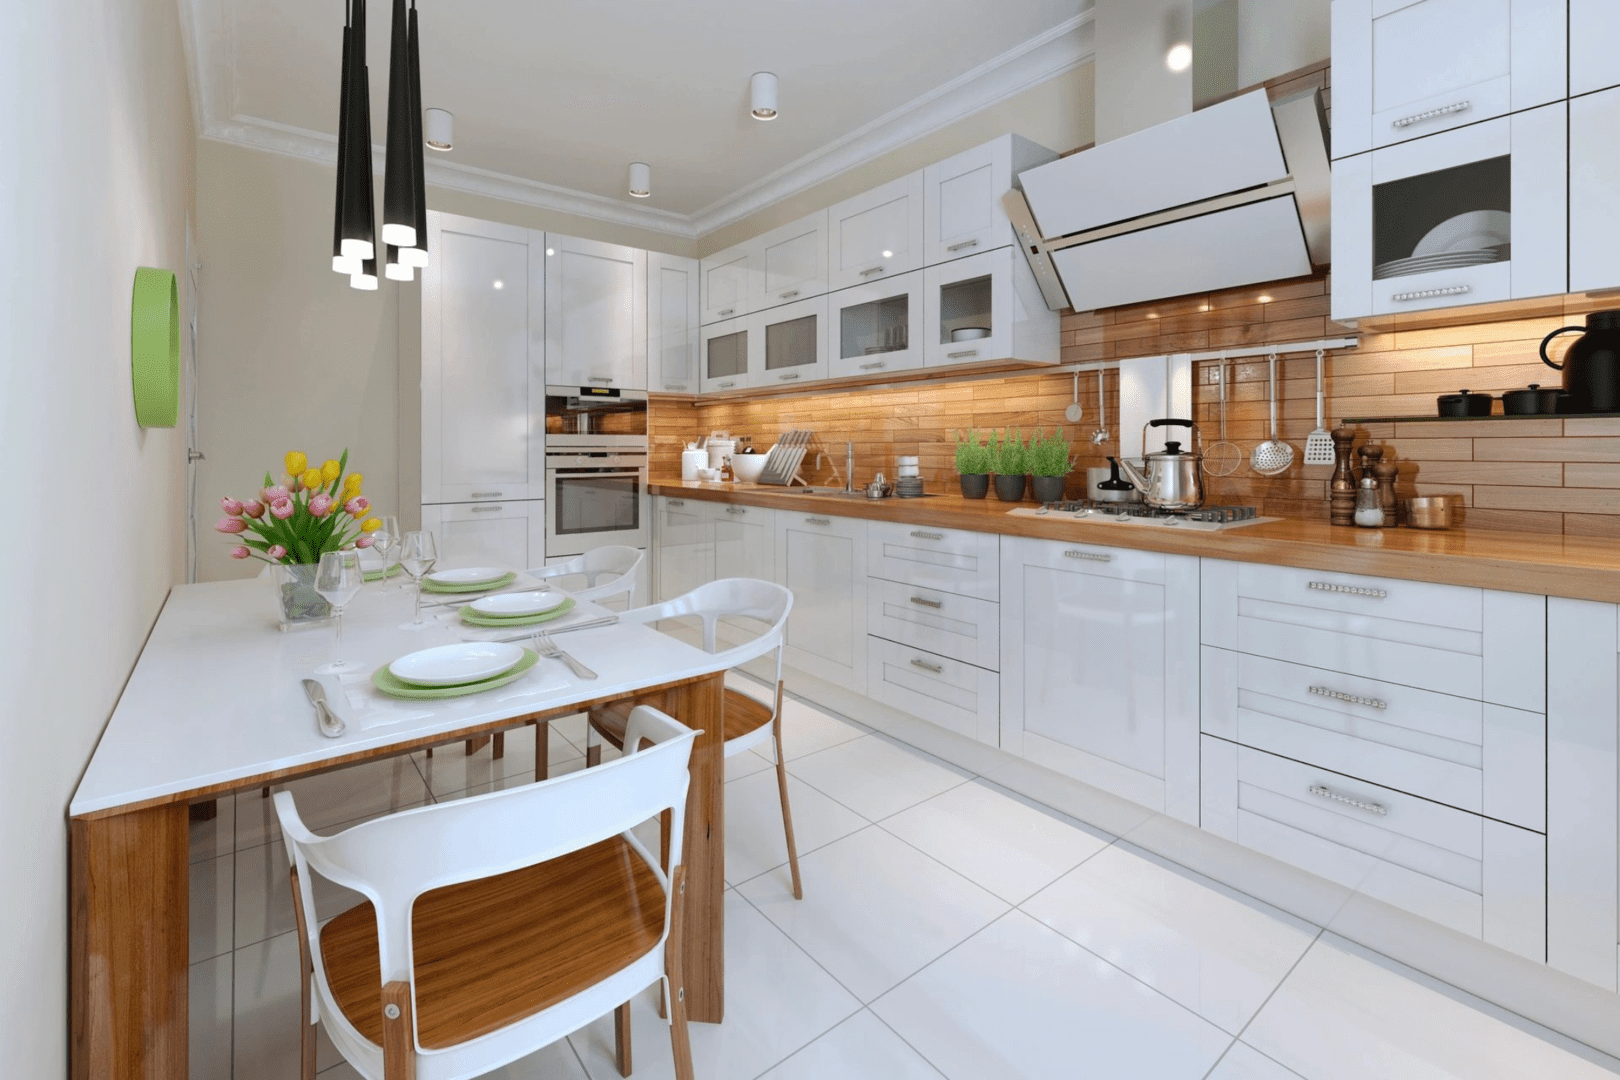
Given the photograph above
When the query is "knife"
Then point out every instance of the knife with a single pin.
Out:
(331, 726)
(547, 628)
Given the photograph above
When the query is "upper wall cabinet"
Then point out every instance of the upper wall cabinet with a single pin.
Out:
(672, 324)
(1594, 178)
(986, 307)
(1594, 27)
(728, 282)
(962, 211)
(791, 262)
(876, 234)
(876, 328)
(1469, 216)
(596, 322)
(732, 353)
(1403, 69)
(483, 374)
(792, 343)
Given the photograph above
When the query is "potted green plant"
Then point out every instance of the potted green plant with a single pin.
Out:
(1048, 465)
(1010, 462)
(972, 464)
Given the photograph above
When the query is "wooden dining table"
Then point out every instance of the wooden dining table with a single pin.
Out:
(215, 706)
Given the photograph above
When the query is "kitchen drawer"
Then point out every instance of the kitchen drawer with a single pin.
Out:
(1477, 876)
(963, 628)
(947, 692)
(1417, 602)
(967, 563)
(1123, 563)
(1482, 758)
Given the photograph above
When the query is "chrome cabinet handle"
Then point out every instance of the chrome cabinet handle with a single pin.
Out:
(1089, 555)
(873, 270)
(735, 510)
(1360, 804)
(1424, 294)
(786, 378)
(674, 386)
(926, 666)
(919, 534)
(964, 352)
(728, 382)
(923, 601)
(1353, 590)
(487, 509)
(790, 294)
(818, 521)
(1446, 110)
(676, 502)
(963, 244)
(486, 494)
(728, 311)
(874, 366)
(599, 378)
(1339, 695)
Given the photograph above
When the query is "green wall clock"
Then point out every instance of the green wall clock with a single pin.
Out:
(154, 347)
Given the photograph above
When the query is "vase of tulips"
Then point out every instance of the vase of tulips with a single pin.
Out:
(291, 524)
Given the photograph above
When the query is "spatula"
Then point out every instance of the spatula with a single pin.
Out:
(1319, 443)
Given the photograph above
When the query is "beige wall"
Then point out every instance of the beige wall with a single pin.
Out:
(98, 179)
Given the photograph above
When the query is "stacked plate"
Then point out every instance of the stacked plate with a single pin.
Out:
(454, 670)
(517, 609)
(1425, 264)
(908, 487)
(470, 579)
(1471, 239)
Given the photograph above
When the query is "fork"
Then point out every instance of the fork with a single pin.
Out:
(550, 651)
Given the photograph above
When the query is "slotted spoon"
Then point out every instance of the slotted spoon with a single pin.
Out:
(1222, 458)
(1319, 444)
(1272, 457)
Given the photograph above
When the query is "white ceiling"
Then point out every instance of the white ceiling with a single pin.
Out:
(554, 99)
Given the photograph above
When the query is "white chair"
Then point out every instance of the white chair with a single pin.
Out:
(748, 721)
(498, 924)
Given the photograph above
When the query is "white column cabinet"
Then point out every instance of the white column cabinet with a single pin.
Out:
(962, 211)
(876, 234)
(791, 262)
(823, 560)
(483, 377)
(596, 322)
(1594, 181)
(672, 324)
(509, 534)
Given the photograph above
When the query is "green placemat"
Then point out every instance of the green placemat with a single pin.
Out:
(499, 583)
(388, 683)
(378, 575)
(154, 347)
(478, 618)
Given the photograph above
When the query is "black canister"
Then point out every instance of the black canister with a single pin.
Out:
(1591, 366)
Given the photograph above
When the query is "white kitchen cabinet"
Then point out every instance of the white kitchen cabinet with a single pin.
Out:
(962, 211)
(729, 282)
(596, 321)
(957, 696)
(483, 377)
(672, 324)
(1594, 180)
(1594, 26)
(1486, 203)
(1405, 69)
(878, 233)
(1099, 668)
(994, 292)
(683, 546)
(731, 352)
(510, 534)
(952, 560)
(876, 328)
(744, 542)
(822, 558)
(791, 343)
(791, 262)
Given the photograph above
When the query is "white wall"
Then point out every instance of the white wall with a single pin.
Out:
(96, 179)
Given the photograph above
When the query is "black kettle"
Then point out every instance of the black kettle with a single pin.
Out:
(1591, 367)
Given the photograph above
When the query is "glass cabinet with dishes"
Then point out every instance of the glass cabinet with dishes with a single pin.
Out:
(875, 327)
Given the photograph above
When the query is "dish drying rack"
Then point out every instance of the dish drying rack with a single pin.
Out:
(782, 463)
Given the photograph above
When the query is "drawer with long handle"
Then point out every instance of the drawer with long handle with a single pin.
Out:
(961, 627)
(955, 560)
(954, 695)
(1419, 602)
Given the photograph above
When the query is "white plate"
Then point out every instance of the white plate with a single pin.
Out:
(472, 575)
(970, 333)
(519, 603)
(1466, 232)
(452, 665)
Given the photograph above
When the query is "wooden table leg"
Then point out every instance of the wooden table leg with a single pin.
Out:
(703, 958)
(128, 944)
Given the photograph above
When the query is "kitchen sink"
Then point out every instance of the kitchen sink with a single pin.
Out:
(840, 493)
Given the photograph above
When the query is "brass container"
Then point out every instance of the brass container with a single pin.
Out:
(1430, 512)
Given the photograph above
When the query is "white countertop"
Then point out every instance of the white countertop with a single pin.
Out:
(216, 694)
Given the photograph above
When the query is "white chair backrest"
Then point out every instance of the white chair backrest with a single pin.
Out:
(751, 598)
(608, 571)
(393, 860)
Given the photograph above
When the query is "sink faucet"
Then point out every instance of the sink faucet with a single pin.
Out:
(849, 466)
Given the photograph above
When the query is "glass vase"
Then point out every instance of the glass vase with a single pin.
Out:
(298, 605)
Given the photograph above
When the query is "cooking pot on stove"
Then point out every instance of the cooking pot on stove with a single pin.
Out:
(1591, 367)
(1174, 479)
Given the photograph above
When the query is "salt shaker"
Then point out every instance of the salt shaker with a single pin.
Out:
(1369, 504)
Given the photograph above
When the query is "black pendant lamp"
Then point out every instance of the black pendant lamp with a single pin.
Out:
(342, 263)
(399, 181)
(367, 277)
(356, 218)
(417, 255)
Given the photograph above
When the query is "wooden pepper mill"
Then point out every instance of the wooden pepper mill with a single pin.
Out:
(1385, 472)
(1342, 489)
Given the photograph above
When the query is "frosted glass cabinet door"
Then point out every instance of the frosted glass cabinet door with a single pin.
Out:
(510, 534)
(483, 340)
(731, 352)
(876, 234)
(672, 324)
(793, 340)
(792, 262)
(596, 322)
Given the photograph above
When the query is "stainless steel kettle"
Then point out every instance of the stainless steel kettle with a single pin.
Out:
(1174, 479)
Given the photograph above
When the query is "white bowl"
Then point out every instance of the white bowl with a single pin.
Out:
(453, 665)
(970, 333)
(519, 603)
(748, 466)
(471, 575)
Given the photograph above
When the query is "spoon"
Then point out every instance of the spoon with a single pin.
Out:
(1074, 412)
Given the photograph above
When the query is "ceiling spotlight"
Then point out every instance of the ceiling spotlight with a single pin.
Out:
(1179, 58)
(438, 129)
(762, 95)
(640, 179)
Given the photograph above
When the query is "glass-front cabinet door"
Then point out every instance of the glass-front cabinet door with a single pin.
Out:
(793, 339)
(727, 349)
(968, 316)
(876, 328)
(1469, 216)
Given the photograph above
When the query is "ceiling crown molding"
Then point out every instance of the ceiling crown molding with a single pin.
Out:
(210, 56)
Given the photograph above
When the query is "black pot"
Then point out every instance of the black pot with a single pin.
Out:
(1464, 403)
(974, 485)
(1048, 489)
(1591, 367)
(1010, 488)
(1533, 401)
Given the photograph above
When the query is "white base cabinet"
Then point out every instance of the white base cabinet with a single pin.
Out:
(823, 560)
(488, 534)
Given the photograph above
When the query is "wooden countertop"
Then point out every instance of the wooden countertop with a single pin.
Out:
(1580, 567)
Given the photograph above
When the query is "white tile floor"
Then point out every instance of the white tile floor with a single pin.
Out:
(949, 929)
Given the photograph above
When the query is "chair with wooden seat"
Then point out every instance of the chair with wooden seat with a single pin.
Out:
(498, 924)
(748, 721)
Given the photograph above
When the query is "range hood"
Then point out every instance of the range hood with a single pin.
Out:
(1233, 194)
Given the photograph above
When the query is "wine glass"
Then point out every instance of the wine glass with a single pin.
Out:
(385, 541)
(417, 554)
(338, 578)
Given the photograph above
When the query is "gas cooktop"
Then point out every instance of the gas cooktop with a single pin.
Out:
(1140, 515)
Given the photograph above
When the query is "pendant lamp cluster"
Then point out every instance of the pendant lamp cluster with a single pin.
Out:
(404, 231)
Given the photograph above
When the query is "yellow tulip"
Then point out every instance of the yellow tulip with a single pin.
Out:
(296, 462)
(351, 486)
(330, 470)
(311, 478)
(371, 525)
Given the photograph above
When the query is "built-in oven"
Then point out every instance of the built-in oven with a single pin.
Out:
(595, 417)
(596, 497)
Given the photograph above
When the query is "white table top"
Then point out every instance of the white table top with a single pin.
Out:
(216, 695)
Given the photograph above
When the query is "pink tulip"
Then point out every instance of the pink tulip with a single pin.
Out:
(276, 551)
(231, 506)
(240, 552)
(271, 494)
(253, 508)
(282, 507)
(363, 542)
(357, 506)
(320, 505)
(230, 525)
